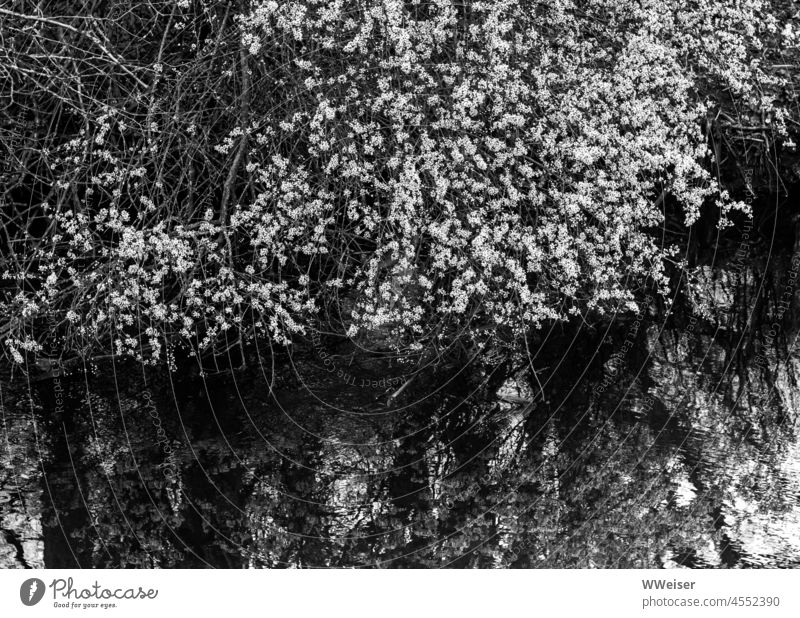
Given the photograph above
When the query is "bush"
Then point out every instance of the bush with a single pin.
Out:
(207, 172)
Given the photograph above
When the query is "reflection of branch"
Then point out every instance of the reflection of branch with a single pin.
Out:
(13, 540)
(89, 35)
(514, 399)
(57, 367)
(401, 389)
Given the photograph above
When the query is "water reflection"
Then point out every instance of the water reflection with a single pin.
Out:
(677, 450)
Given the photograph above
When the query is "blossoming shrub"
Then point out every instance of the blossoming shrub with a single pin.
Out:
(430, 170)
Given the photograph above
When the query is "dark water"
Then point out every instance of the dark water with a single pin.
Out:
(663, 442)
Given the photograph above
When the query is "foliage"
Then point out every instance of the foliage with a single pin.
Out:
(206, 172)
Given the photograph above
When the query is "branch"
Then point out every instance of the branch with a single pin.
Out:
(91, 36)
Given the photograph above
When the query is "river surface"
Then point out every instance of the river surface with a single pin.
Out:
(667, 439)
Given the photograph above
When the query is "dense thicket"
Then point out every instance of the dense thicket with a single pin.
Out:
(204, 171)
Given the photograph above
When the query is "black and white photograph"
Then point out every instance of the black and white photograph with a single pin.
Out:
(400, 285)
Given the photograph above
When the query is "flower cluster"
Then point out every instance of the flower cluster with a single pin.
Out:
(406, 167)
